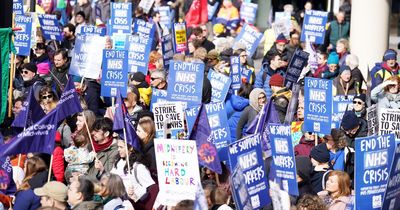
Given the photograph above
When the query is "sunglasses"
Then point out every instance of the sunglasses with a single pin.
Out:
(24, 72)
(358, 102)
(153, 78)
(47, 97)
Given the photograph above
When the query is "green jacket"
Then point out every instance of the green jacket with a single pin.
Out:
(107, 157)
(338, 31)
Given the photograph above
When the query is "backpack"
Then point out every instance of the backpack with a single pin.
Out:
(349, 161)
(119, 207)
(376, 68)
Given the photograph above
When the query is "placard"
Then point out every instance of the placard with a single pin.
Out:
(389, 121)
(22, 38)
(296, 65)
(180, 38)
(165, 19)
(250, 37)
(372, 119)
(341, 104)
(114, 73)
(169, 113)
(219, 85)
(18, 7)
(239, 189)
(235, 73)
(314, 26)
(146, 5)
(143, 28)
(167, 49)
(93, 30)
(248, 12)
(138, 53)
(392, 193)
(120, 18)
(50, 27)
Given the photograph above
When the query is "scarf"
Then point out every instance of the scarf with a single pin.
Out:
(100, 147)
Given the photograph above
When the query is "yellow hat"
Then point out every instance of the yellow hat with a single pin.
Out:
(218, 28)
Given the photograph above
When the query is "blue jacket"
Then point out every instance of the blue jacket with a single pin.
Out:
(262, 81)
(234, 107)
(26, 200)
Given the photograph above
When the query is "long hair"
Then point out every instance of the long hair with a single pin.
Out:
(115, 186)
(343, 183)
(150, 128)
(34, 165)
(134, 156)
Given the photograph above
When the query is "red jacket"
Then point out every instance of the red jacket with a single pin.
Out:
(304, 147)
(58, 163)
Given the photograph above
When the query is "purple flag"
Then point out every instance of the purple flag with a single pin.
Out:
(38, 137)
(31, 112)
(260, 125)
(69, 103)
(122, 120)
(206, 150)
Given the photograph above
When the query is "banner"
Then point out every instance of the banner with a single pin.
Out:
(236, 75)
(372, 119)
(114, 73)
(341, 103)
(314, 25)
(22, 38)
(146, 5)
(211, 9)
(391, 199)
(248, 12)
(180, 38)
(167, 49)
(318, 105)
(178, 170)
(185, 81)
(50, 27)
(157, 96)
(250, 37)
(6, 174)
(282, 23)
(138, 53)
(18, 7)
(220, 85)
(373, 156)
(389, 121)
(165, 14)
(92, 30)
(247, 153)
(280, 198)
(85, 58)
(170, 114)
(120, 18)
(239, 189)
(284, 162)
(143, 28)
(296, 65)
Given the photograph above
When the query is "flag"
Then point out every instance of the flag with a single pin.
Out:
(69, 103)
(122, 120)
(30, 113)
(206, 150)
(38, 137)
(260, 124)
(197, 14)
(6, 46)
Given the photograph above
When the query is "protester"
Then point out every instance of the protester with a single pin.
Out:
(78, 157)
(338, 29)
(322, 64)
(333, 69)
(386, 94)
(360, 105)
(80, 195)
(353, 127)
(59, 72)
(146, 132)
(271, 67)
(342, 49)
(384, 70)
(53, 194)
(158, 80)
(344, 84)
(31, 79)
(310, 202)
(352, 62)
(113, 192)
(321, 166)
(304, 169)
(337, 193)
(280, 95)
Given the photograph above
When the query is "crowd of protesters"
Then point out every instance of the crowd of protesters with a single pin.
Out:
(90, 162)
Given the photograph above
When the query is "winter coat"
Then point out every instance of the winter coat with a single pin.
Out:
(92, 96)
(102, 11)
(107, 158)
(304, 147)
(59, 76)
(329, 75)
(37, 83)
(263, 77)
(78, 159)
(335, 204)
(234, 107)
(150, 155)
(88, 205)
(58, 163)
(381, 72)
(338, 31)
(281, 101)
(338, 88)
(26, 200)
(385, 99)
(318, 180)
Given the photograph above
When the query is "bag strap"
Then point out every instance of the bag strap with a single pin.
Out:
(323, 178)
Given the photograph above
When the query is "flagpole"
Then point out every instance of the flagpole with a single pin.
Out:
(19, 159)
(12, 72)
(51, 163)
(90, 136)
(126, 150)
(316, 139)
(259, 119)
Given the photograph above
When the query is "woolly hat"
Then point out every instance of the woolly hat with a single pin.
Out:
(349, 121)
(218, 28)
(43, 68)
(390, 54)
(281, 39)
(138, 77)
(31, 67)
(303, 167)
(344, 68)
(81, 13)
(333, 58)
(320, 153)
(361, 96)
(276, 80)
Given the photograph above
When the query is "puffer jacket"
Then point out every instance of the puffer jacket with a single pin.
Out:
(234, 107)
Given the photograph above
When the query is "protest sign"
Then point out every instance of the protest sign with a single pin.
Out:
(280, 27)
(180, 39)
(247, 153)
(246, 72)
(341, 104)
(284, 162)
(296, 65)
(178, 170)
(50, 27)
(250, 37)
(169, 113)
(18, 7)
(389, 121)
(22, 38)
(85, 59)
(93, 30)
(372, 119)
(283, 17)
(146, 5)
(167, 49)
(391, 199)
(297, 133)
(248, 12)
(120, 18)
(114, 73)
(185, 81)
(138, 53)
(119, 41)
(165, 16)
(219, 86)
(318, 105)
(314, 24)
(239, 189)
(143, 28)
(373, 156)
(157, 95)
(211, 9)
(236, 75)
(280, 198)
(191, 116)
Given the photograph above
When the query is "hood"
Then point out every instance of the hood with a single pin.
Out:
(303, 141)
(254, 98)
(238, 102)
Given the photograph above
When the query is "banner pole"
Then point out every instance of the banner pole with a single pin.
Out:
(316, 139)
(126, 150)
(12, 72)
(259, 119)
(50, 168)
(90, 136)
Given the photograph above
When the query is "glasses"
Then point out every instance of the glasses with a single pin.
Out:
(153, 78)
(358, 102)
(47, 97)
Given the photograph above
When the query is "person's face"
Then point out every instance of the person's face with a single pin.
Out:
(300, 112)
(243, 57)
(128, 104)
(155, 81)
(104, 190)
(142, 134)
(80, 122)
(276, 62)
(308, 6)
(209, 174)
(79, 19)
(46, 98)
(295, 39)
(121, 148)
(46, 201)
(261, 99)
(345, 76)
(212, 62)
(280, 46)
(332, 185)
(340, 48)
(332, 67)
(16, 109)
(39, 39)
(321, 59)
(27, 75)
(99, 136)
(39, 52)
(191, 47)
(340, 17)
(67, 33)
(205, 31)
(74, 197)
(394, 89)
(358, 105)
(59, 61)
(351, 132)
(157, 18)
(309, 136)
(391, 63)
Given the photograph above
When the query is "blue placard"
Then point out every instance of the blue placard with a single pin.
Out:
(392, 193)
(185, 81)
(114, 73)
(22, 38)
(191, 116)
(167, 49)
(120, 18)
(50, 27)
(248, 12)
(246, 73)
(247, 153)
(18, 7)
(220, 85)
(165, 13)
(296, 65)
(250, 37)
(373, 156)
(283, 158)
(157, 95)
(93, 30)
(138, 53)
(318, 105)
(143, 28)
(313, 29)
(341, 103)
(211, 10)
(235, 73)
(239, 189)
